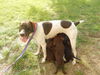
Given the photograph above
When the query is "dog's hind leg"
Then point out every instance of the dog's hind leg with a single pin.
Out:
(73, 44)
(63, 70)
(57, 67)
(72, 36)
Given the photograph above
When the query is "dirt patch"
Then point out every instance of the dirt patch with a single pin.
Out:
(94, 35)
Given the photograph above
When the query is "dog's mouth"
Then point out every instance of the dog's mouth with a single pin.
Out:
(24, 38)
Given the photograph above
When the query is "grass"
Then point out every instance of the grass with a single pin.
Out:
(12, 12)
(79, 72)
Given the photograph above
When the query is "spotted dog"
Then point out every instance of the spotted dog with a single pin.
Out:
(49, 29)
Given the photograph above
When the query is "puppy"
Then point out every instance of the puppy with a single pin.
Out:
(55, 52)
(68, 54)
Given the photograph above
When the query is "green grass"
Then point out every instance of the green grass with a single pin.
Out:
(79, 72)
(12, 12)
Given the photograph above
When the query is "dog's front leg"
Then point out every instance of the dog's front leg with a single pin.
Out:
(38, 50)
(57, 66)
(44, 52)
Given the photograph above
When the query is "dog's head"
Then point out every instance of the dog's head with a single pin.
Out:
(52, 42)
(58, 39)
(25, 29)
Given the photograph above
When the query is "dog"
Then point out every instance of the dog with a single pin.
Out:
(55, 52)
(49, 29)
(68, 54)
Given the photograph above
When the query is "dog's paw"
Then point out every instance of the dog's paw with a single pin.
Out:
(37, 53)
(55, 72)
(43, 60)
(74, 62)
(64, 72)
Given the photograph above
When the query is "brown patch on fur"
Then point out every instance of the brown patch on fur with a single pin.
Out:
(47, 27)
(65, 24)
(55, 52)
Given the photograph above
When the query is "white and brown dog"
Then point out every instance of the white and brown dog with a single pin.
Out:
(49, 29)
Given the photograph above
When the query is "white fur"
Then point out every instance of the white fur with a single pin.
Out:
(40, 36)
(22, 31)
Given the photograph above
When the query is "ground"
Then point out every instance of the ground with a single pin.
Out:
(12, 12)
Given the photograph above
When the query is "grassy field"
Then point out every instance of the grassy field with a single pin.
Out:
(12, 12)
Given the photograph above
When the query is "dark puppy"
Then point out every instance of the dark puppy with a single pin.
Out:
(68, 49)
(55, 52)
(68, 54)
(49, 50)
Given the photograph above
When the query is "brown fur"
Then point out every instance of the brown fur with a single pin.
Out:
(47, 27)
(27, 26)
(55, 51)
(65, 24)
(67, 48)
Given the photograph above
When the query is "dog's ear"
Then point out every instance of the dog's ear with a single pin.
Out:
(62, 38)
(30, 23)
(21, 22)
(31, 26)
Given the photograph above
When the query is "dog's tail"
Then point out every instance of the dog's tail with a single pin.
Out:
(76, 23)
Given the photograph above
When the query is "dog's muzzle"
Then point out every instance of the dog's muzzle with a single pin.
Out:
(22, 32)
(23, 36)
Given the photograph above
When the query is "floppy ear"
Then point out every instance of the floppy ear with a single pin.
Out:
(31, 26)
(22, 22)
(30, 22)
(62, 38)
